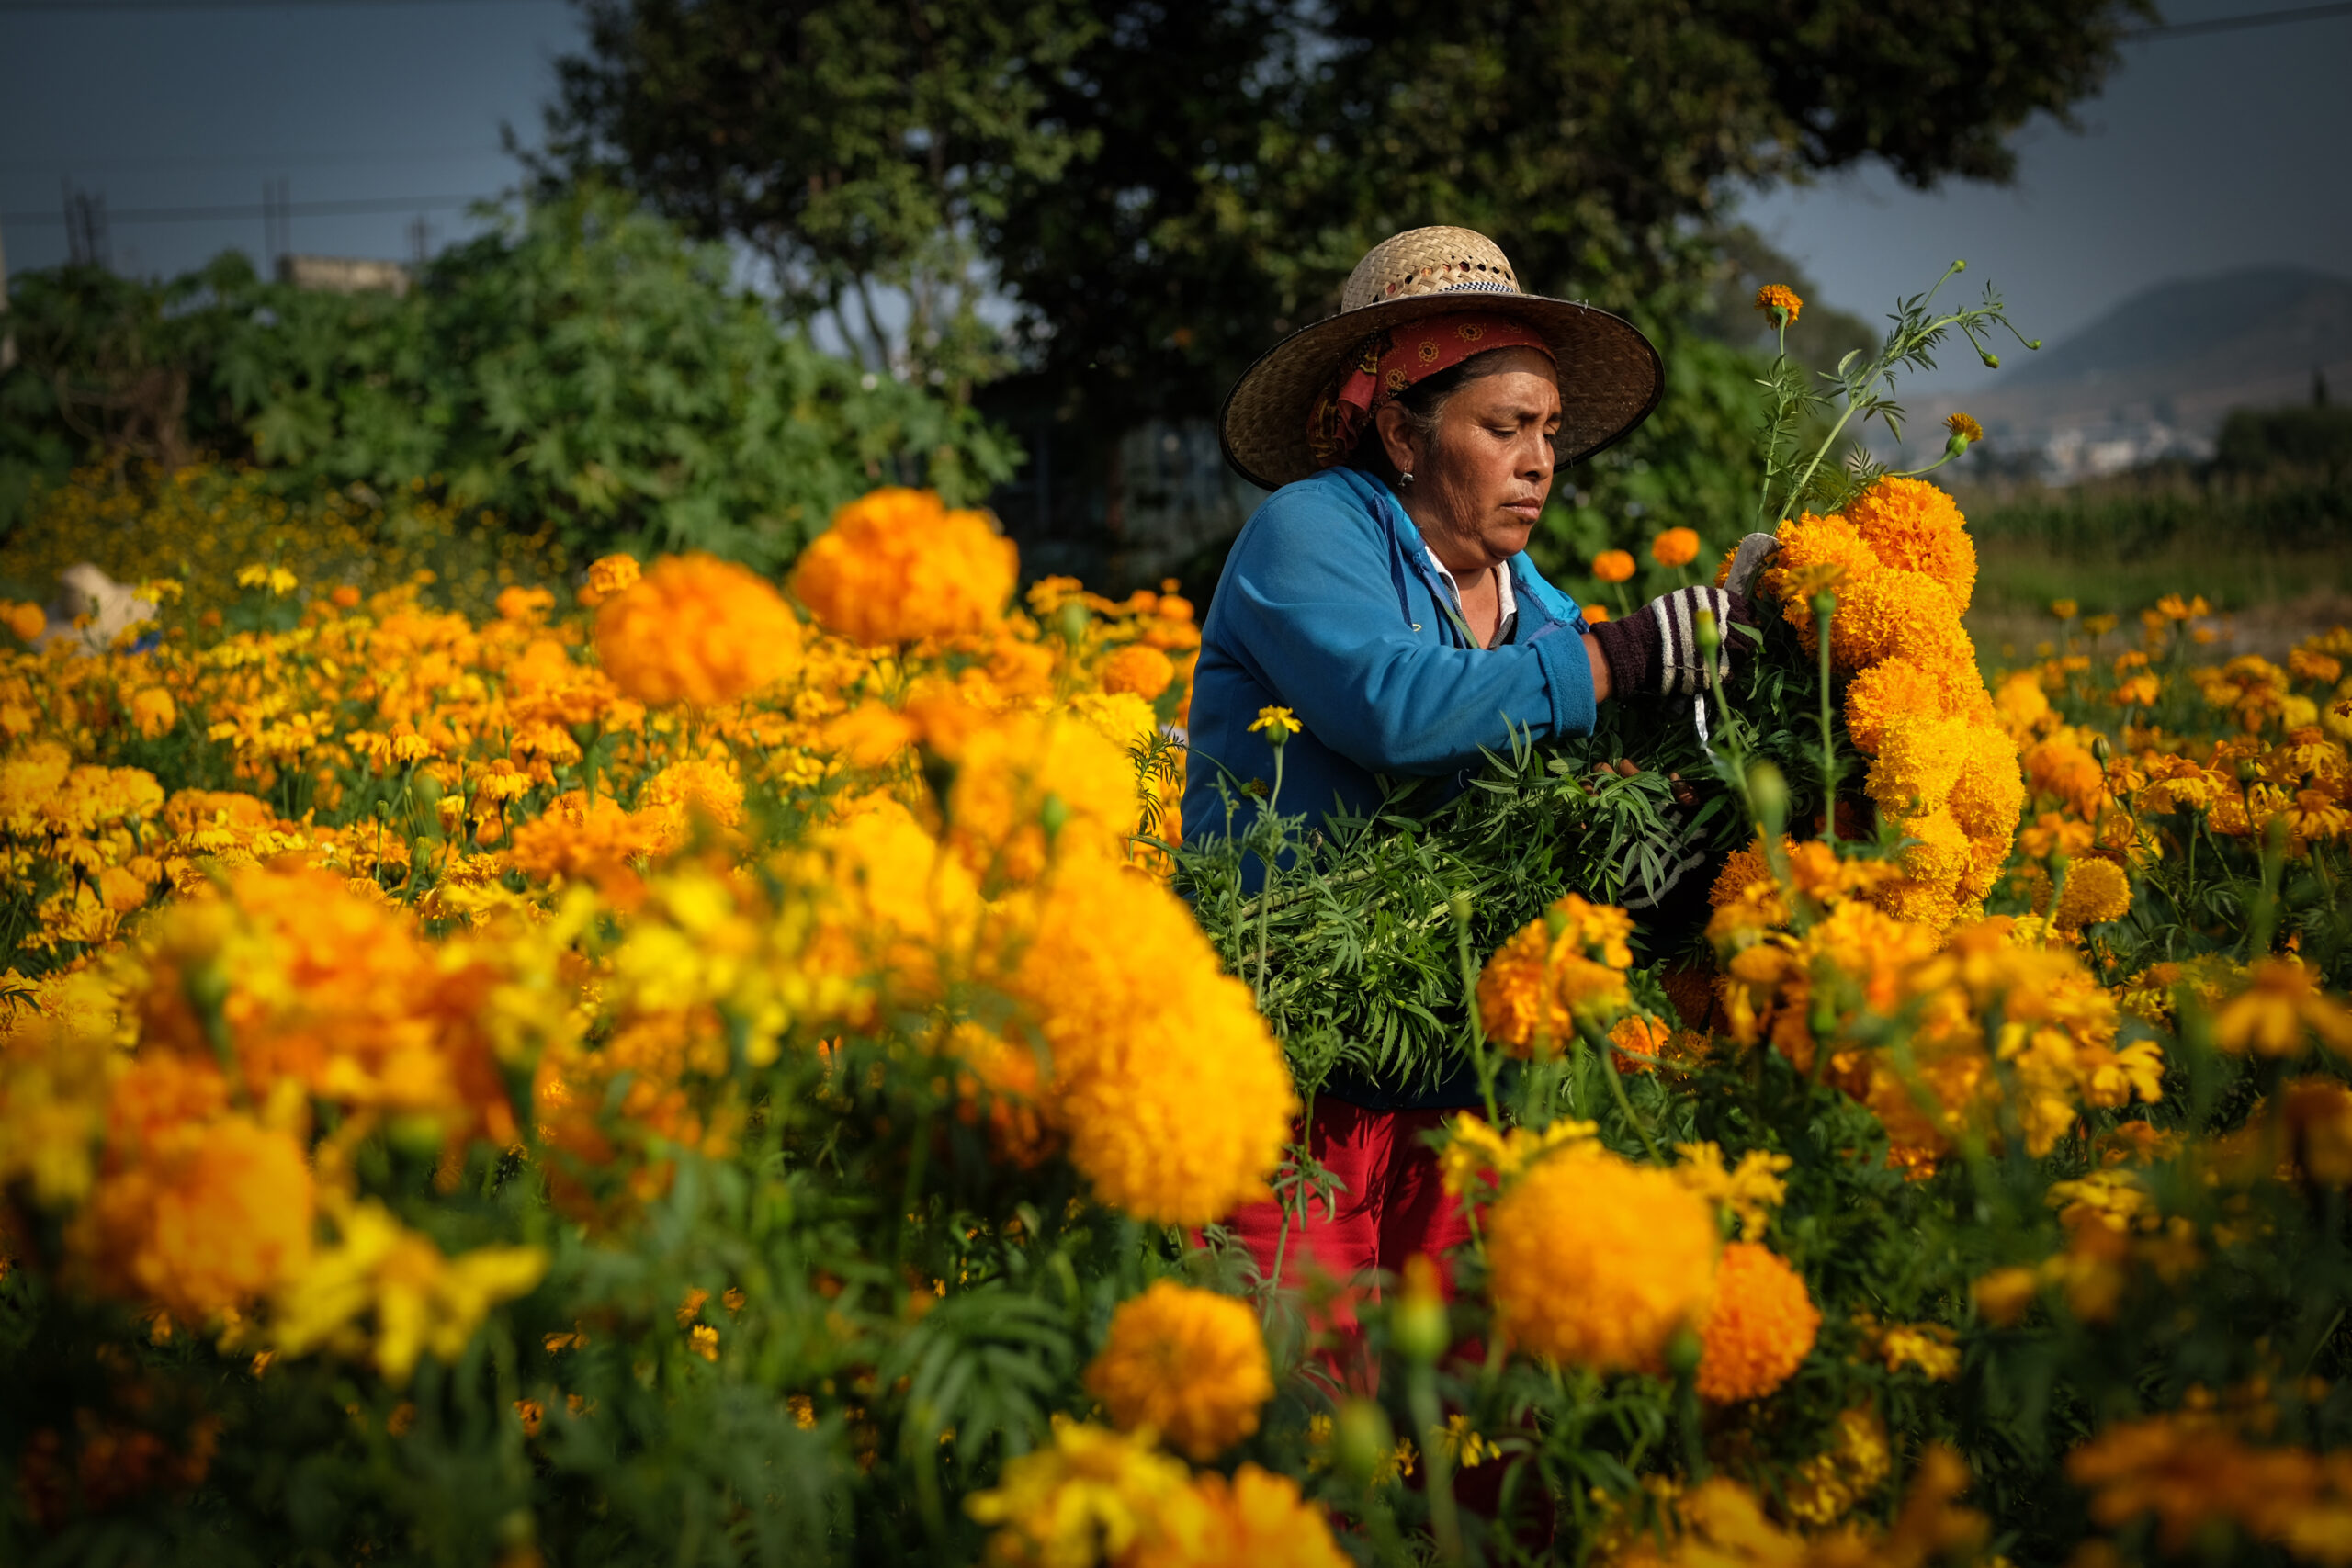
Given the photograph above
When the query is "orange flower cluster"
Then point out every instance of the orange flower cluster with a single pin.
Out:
(1944, 768)
(1814, 979)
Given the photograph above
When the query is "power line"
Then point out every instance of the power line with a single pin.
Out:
(282, 209)
(2222, 23)
(233, 160)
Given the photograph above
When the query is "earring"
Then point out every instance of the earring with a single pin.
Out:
(1404, 478)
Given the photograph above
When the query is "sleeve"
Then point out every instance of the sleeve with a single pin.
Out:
(1313, 609)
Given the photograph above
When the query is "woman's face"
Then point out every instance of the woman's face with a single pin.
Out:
(1483, 481)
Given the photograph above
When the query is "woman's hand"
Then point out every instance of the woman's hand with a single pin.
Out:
(1654, 651)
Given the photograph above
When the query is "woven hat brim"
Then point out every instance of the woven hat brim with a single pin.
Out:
(1611, 377)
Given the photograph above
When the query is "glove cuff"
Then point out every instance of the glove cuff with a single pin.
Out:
(1630, 647)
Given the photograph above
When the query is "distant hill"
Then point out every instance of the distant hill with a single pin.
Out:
(2154, 376)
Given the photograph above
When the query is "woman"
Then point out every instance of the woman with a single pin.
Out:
(1383, 594)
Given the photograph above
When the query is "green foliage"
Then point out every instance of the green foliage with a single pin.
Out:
(2315, 439)
(860, 149)
(1166, 189)
(581, 368)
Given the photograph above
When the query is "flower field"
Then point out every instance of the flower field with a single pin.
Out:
(653, 1064)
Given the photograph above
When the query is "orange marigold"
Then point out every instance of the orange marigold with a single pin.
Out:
(1913, 524)
(1760, 1328)
(1567, 965)
(1675, 547)
(1613, 565)
(1140, 669)
(1596, 1262)
(897, 566)
(699, 630)
(1778, 296)
(1188, 1363)
(210, 1216)
(1809, 545)
(1258, 1516)
(1890, 689)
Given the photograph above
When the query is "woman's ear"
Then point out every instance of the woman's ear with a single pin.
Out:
(1397, 436)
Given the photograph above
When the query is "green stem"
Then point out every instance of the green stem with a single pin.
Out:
(1825, 605)
(1617, 1088)
(1265, 909)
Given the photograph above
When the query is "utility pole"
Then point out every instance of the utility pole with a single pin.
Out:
(420, 242)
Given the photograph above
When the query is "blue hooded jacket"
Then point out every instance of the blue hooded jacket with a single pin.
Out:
(1330, 605)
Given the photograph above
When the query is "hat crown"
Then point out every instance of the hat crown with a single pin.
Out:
(1438, 260)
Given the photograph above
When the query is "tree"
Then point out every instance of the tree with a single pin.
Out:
(860, 149)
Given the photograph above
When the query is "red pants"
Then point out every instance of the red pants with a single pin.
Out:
(1390, 1205)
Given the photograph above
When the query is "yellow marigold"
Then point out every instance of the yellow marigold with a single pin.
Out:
(608, 575)
(1596, 1262)
(698, 788)
(1257, 1517)
(421, 1299)
(2062, 770)
(1569, 965)
(1965, 429)
(1477, 1160)
(1027, 784)
(1849, 1470)
(1743, 1191)
(1989, 795)
(1091, 1496)
(2095, 890)
(1760, 1328)
(1930, 905)
(28, 621)
(1775, 297)
(1940, 858)
(1912, 524)
(1188, 1363)
(1140, 669)
(153, 710)
(1889, 690)
(209, 1217)
(1919, 760)
(699, 630)
(1675, 547)
(1743, 868)
(1613, 565)
(1172, 1092)
(897, 567)
(2281, 1004)
(2021, 704)
(1928, 1347)
(1899, 612)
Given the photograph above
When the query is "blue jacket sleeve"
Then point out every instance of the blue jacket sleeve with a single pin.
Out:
(1312, 606)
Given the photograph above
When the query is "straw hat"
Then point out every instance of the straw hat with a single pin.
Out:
(1609, 376)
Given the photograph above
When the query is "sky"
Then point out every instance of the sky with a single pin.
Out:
(2206, 153)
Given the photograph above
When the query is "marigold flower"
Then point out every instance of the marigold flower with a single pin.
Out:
(153, 710)
(1809, 545)
(698, 630)
(1028, 785)
(1258, 1516)
(2096, 891)
(1188, 1363)
(1778, 299)
(1613, 565)
(28, 621)
(1594, 614)
(1912, 525)
(1760, 1328)
(1091, 1497)
(1850, 1470)
(2281, 1003)
(209, 1216)
(1596, 1262)
(1567, 966)
(1965, 431)
(421, 1300)
(1172, 1092)
(897, 566)
(1675, 547)
(1919, 759)
(1139, 667)
(1276, 724)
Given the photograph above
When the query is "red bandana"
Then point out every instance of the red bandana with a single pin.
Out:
(1390, 361)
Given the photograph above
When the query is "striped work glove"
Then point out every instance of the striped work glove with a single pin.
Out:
(1655, 653)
